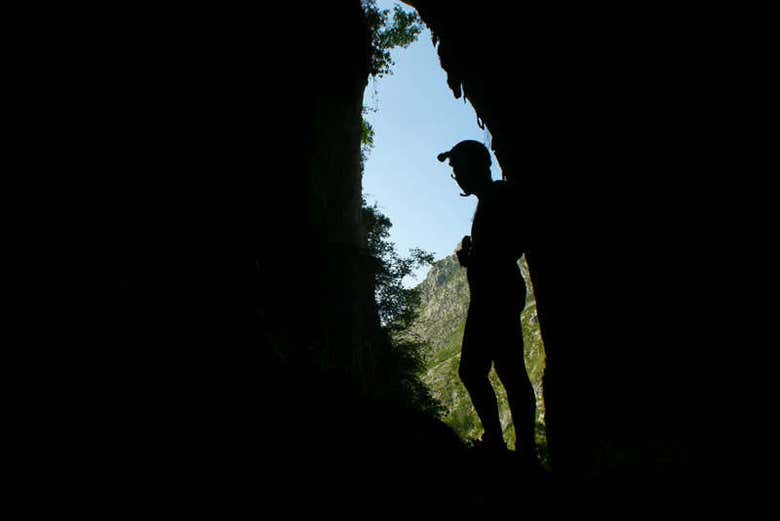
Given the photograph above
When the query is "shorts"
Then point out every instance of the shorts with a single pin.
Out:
(492, 334)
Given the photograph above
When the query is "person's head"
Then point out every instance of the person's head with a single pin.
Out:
(470, 162)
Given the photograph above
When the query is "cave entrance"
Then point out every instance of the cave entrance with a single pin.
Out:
(412, 116)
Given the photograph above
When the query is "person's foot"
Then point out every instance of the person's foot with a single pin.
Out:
(491, 445)
(528, 461)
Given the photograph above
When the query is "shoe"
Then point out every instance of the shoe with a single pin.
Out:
(492, 446)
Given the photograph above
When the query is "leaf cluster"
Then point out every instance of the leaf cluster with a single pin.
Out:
(386, 33)
(396, 304)
(401, 361)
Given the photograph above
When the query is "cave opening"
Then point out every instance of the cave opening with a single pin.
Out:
(412, 116)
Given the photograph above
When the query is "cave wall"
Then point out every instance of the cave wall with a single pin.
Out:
(235, 150)
(233, 139)
(315, 271)
(604, 116)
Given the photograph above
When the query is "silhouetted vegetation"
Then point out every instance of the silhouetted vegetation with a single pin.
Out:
(400, 358)
(397, 305)
(386, 32)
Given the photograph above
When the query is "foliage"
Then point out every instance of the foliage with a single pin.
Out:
(386, 34)
(366, 139)
(401, 360)
(397, 305)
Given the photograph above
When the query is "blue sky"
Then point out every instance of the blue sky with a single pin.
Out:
(416, 118)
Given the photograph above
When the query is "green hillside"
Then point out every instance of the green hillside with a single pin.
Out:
(442, 316)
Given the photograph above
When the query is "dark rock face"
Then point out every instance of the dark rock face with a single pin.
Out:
(313, 266)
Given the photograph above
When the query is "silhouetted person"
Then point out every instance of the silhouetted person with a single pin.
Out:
(493, 333)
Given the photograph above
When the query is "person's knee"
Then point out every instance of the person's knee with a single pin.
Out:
(511, 375)
(471, 376)
(516, 383)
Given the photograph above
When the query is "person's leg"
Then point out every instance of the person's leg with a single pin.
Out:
(473, 371)
(510, 367)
